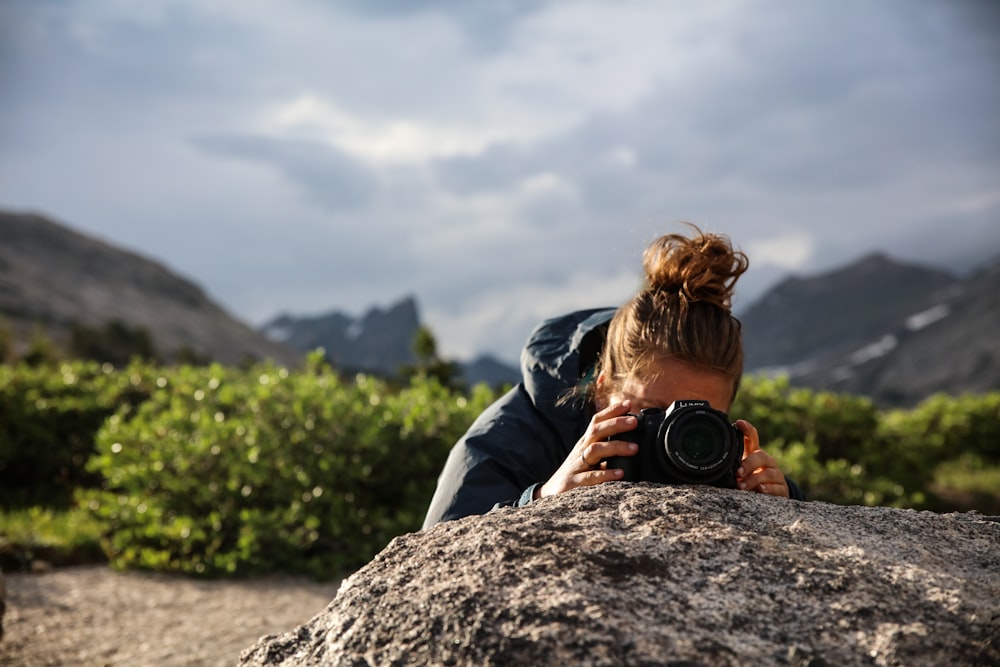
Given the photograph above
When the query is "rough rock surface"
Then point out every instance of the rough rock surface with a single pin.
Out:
(635, 574)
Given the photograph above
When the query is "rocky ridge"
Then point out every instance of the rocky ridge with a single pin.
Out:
(53, 278)
(380, 341)
(640, 574)
(893, 331)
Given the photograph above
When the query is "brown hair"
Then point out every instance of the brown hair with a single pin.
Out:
(683, 312)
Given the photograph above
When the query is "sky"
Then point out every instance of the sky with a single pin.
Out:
(504, 161)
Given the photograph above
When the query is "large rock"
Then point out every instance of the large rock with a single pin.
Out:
(625, 574)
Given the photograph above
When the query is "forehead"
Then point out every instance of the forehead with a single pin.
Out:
(672, 380)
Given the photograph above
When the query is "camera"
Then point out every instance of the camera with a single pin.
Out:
(688, 443)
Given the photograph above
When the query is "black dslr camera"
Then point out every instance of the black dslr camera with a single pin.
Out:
(688, 443)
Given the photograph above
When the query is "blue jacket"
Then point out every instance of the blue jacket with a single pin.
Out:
(519, 441)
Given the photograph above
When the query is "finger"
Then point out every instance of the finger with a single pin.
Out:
(611, 427)
(595, 477)
(587, 460)
(613, 410)
(594, 454)
(767, 480)
(773, 489)
(759, 471)
(761, 476)
(751, 440)
(755, 461)
(605, 449)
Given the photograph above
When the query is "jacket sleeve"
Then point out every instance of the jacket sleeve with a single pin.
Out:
(508, 449)
(794, 492)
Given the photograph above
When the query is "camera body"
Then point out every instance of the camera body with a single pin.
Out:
(688, 443)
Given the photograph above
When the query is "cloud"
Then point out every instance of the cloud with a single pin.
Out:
(817, 111)
(383, 141)
(787, 252)
(504, 315)
(501, 161)
(489, 25)
(328, 175)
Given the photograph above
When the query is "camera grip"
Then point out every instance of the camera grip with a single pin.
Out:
(629, 465)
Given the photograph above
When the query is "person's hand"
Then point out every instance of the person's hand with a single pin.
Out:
(759, 470)
(583, 466)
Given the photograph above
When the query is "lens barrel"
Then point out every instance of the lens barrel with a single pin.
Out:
(698, 441)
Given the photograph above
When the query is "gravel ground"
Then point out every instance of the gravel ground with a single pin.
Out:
(84, 616)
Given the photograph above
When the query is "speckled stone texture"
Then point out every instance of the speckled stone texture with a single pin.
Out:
(638, 574)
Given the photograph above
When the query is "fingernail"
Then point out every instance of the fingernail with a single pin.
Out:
(742, 485)
(617, 472)
(739, 472)
(632, 447)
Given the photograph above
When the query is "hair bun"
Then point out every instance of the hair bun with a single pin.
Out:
(701, 268)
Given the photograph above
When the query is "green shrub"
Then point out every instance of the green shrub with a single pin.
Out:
(229, 471)
(57, 537)
(215, 470)
(937, 440)
(945, 427)
(840, 448)
(48, 420)
(822, 440)
(841, 426)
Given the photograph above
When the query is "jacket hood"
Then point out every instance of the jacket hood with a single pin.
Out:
(559, 352)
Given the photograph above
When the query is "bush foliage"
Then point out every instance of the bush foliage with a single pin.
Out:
(213, 470)
(226, 471)
(49, 415)
(843, 449)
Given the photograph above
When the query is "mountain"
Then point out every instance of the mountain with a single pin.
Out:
(378, 342)
(490, 370)
(381, 341)
(803, 318)
(893, 331)
(54, 280)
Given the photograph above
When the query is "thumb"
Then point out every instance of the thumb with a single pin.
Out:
(751, 441)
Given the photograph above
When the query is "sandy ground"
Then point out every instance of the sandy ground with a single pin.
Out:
(84, 616)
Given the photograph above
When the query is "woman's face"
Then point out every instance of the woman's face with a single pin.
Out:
(672, 380)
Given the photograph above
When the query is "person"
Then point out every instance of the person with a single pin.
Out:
(585, 376)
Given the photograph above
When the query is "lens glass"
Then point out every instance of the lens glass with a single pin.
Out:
(698, 440)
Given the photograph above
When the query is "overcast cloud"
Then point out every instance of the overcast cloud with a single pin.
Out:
(504, 161)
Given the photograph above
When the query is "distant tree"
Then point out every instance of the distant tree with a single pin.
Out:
(429, 364)
(317, 360)
(6, 343)
(41, 350)
(188, 356)
(425, 345)
(248, 361)
(116, 343)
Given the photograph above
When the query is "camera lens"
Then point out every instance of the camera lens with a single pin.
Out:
(700, 442)
(688, 443)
